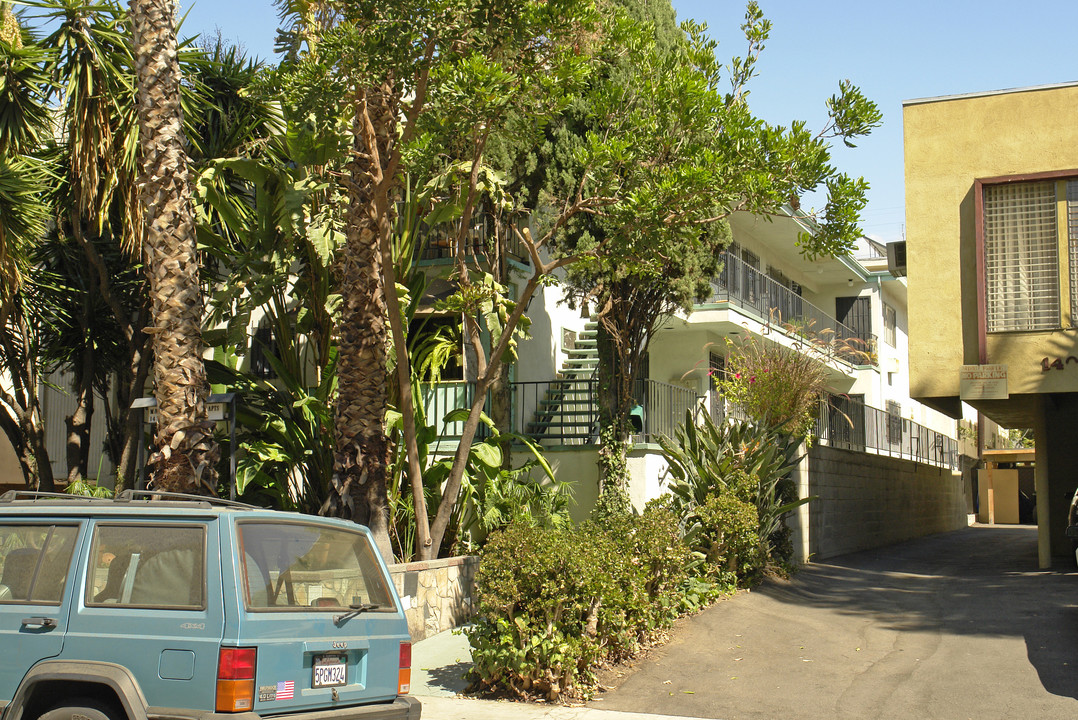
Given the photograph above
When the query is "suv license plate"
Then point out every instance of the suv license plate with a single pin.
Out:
(329, 671)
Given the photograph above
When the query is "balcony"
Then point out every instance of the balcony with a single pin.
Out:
(560, 413)
(749, 289)
(479, 244)
(850, 425)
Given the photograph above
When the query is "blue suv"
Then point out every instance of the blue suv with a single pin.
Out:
(191, 608)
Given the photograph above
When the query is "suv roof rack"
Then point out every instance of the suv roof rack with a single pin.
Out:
(130, 495)
(126, 496)
(13, 495)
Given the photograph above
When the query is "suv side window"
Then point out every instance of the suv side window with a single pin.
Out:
(292, 565)
(158, 566)
(33, 562)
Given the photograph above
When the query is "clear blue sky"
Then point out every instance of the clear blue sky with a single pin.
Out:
(894, 51)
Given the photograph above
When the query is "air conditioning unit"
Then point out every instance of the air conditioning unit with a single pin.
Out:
(896, 258)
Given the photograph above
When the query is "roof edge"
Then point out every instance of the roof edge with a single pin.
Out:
(988, 93)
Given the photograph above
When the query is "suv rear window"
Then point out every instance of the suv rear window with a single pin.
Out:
(33, 562)
(158, 566)
(292, 565)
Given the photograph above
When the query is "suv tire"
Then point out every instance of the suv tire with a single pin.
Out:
(80, 709)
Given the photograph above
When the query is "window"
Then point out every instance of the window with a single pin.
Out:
(894, 422)
(1021, 249)
(890, 325)
(291, 565)
(157, 566)
(263, 346)
(1030, 228)
(856, 314)
(34, 560)
(846, 422)
(716, 372)
(1072, 243)
(778, 276)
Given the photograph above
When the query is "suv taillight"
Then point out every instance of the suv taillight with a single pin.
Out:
(404, 678)
(236, 679)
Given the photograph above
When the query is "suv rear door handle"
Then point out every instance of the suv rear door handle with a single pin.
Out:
(41, 622)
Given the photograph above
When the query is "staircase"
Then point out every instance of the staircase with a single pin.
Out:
(568, 413)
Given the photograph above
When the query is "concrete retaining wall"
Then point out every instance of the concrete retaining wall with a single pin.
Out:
(437, 594)
(866, 501)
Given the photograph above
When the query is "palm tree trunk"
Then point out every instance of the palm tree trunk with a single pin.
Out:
(186, 454)
(362, 455)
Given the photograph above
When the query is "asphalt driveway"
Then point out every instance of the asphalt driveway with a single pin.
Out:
(959, 625)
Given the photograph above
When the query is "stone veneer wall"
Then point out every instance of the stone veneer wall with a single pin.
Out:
(436, 594)
(866, 501)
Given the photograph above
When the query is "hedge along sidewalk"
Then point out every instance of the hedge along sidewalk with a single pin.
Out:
(438, 667)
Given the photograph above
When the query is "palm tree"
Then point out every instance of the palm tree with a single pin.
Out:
(23, 179)
(361, 461)
(362, 457)
(186, 453)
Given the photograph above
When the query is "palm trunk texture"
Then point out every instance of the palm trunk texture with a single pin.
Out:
(362, 449)
(186, 454)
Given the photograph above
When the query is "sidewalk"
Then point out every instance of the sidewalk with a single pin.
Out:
(438, 666)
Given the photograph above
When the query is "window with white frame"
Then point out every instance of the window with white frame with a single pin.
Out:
(890, 325)
(1021, 254)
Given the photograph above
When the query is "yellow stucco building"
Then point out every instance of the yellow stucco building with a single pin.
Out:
(992, 260)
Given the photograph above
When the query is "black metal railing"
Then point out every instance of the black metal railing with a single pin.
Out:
(871, 250)
(851, 425)
(566, 412)
(663, 407)
(439, 242)
(775, 304)
(563, 412)
(439, 399)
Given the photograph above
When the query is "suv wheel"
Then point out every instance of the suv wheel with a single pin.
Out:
(81, 709)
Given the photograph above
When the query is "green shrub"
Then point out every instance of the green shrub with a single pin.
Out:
(536, 627)
(729, 539)
(654, 566)
(743, 460)
(555, 603)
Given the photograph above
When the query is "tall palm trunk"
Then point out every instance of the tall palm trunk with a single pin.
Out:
(362, 454)
(186, 454)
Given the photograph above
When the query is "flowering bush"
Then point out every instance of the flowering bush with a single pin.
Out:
(774, 385)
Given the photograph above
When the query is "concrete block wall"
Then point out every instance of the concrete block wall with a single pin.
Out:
(436, 594)
(866, 501)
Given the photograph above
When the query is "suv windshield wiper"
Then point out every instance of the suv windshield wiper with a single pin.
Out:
(355, 609)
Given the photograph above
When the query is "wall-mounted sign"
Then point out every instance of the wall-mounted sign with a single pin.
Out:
(983, 382)
(1057, 364)
(216, 411)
